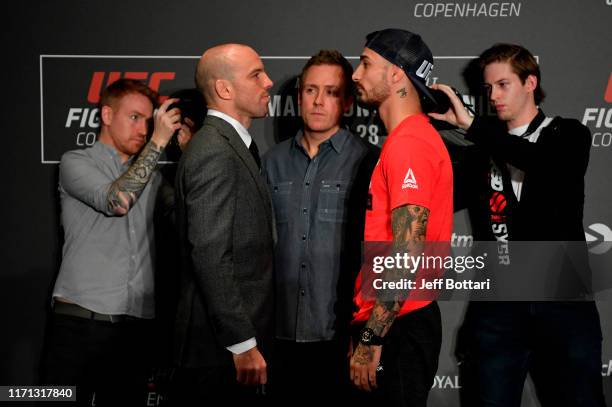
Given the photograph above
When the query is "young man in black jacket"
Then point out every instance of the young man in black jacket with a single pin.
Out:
(534, 178)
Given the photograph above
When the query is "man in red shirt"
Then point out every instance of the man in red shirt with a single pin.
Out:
(411, 202)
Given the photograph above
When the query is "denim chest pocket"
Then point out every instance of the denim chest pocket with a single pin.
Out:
(333, 197)
(281, 193)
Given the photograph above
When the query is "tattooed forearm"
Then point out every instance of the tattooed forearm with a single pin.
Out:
(409, 225)
(383, 315)
(127, 188)
(402, 92)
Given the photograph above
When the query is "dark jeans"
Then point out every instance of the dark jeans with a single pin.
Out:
(409, 359)
(310, 373)
(107, 358)
(558, 343)
(212, 386)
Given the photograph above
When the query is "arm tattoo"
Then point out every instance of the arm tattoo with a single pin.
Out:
(402, 92)
(409, 225)
(127, 188)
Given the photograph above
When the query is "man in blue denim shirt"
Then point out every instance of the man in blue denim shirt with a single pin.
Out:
(318, 181)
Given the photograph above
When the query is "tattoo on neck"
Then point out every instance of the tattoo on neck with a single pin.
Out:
(402, 92)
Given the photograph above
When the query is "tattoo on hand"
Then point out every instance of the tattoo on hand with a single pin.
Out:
(402, 92)
(127, 188)
(363, 355)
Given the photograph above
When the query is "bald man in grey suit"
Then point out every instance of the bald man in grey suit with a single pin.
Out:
(224, 218)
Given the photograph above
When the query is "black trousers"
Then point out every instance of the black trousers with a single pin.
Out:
(409, 359)
(108, 359)
(212, 386)
(310, 373)
(557, 343)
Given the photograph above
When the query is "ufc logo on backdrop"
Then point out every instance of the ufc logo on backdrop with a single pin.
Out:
(608, 94)
(153, 80)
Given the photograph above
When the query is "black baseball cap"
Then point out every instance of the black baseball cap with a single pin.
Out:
(408, 51)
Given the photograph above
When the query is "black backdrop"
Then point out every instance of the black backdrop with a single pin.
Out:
(52, 50)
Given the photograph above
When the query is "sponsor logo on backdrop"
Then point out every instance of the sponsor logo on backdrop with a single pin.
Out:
(462, 240)
(606, 369)
(599, 119)
(152, 79)
(446, 382)
(467, 9)
(599, 238)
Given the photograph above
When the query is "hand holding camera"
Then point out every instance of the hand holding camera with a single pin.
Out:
(192, 106)
(167, 120)
(451, 107)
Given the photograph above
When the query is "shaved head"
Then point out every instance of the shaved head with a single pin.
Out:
(216, 63)
(233, 81)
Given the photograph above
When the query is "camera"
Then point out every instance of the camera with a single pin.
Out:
(442, 102)
(191, 104)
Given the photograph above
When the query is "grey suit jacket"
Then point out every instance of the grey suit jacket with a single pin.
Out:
(225, 225)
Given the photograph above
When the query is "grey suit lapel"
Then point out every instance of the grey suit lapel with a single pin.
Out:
(228, 131)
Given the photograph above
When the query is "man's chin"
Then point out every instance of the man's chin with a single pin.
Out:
(504, 117)
(264, 112)
(366, 103)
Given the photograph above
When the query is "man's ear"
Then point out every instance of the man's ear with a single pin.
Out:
(107, 115)
(531, 82)
(397, 74)
(223, 89)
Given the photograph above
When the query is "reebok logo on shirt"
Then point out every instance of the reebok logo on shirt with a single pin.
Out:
(410, 180)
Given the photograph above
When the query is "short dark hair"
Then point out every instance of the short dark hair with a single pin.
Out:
(523, 63)
(122, 87)
(331, 57)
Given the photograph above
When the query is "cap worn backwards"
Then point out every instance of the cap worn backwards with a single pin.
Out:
(408, 51)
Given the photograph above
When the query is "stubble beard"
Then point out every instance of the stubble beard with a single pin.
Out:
(378, 94)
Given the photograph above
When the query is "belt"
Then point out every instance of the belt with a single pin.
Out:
(75, 310)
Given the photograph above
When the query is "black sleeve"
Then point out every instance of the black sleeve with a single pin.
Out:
(564, 144)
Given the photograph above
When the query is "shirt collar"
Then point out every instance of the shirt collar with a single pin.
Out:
(337, 141)
(240, 129)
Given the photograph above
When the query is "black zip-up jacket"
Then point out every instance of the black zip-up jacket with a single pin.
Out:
(552, 197)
